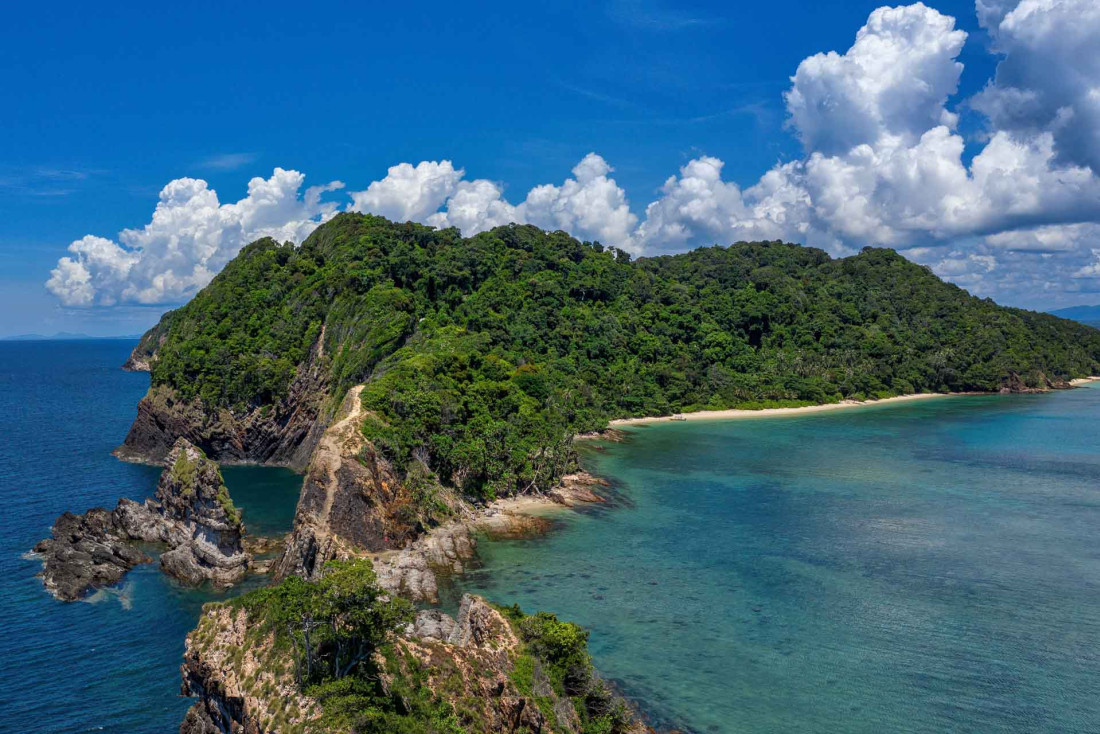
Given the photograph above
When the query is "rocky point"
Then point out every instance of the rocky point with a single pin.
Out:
(192, 514)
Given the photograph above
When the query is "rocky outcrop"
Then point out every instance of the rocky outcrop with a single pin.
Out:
(197, 520)
(1014, 383)
(240, 680)
(192, 513)
(413, 572)
(284, 433)
(245, 683)
(470, 660)
(479, 647)
(348, 500)
(86, 552)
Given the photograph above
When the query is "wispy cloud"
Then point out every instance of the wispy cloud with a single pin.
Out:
(762, 112)
(49, 192)
(44, 180)
(597, 95)
(650, 15)
(228, 161)
(62, 174)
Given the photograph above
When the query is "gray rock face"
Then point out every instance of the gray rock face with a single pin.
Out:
(197, 519)
(86, 552)
(283, 434)
(432, 624)
(412, 572)
(476, 624)
(192, 514)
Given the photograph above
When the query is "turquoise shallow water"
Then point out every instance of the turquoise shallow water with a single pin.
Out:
(924, 567)
(113, 664)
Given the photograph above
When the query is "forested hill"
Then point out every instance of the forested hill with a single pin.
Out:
(516, 336)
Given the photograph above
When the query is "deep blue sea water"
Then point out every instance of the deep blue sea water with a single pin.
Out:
(924, 567)
(920, 567)
(112, 664)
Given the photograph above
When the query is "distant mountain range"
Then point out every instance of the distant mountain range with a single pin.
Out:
(1085, 314)
(61, 336)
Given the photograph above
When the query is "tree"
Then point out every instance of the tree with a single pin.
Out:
(334, 624)
(358, 613)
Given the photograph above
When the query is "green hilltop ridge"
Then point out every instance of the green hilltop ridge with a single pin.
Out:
(483, 356)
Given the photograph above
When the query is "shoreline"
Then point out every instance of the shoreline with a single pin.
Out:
(417, 570)
(741, 413)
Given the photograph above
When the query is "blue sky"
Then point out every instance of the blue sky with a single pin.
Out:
(104, 106)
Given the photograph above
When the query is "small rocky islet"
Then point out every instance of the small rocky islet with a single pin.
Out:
(191, 513)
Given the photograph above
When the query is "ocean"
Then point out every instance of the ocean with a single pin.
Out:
(929, 566)
(110, 664)
(919, 567)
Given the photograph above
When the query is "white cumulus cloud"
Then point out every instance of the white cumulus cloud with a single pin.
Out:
(475, 206)
(894, 80)
(885, 166)
(190, 238)
(1049, 77)
(590, 206)
(409, 193)
(1013, 213)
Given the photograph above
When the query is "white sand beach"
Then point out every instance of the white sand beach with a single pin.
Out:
(765, 412)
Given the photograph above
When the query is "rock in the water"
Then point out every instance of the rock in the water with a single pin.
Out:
(204, 717)
(86, 552)
(192, 513)
(199, 520)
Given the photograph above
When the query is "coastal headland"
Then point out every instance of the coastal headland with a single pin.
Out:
(431, 387)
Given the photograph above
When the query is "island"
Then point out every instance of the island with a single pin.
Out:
(427, 385)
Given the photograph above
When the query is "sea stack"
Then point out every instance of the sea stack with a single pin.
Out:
(199, 520)
(192, 514)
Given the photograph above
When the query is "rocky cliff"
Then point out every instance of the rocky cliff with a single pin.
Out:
(192, 514)
(482, 670)
(198, 520)
(240, 678)
(284, 433)
(349, 501)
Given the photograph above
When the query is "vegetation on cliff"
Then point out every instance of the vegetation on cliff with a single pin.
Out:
(482, 356)
(334, 625)
(355, 664)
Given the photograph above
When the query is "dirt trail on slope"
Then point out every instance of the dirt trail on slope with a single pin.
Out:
(330, 447)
